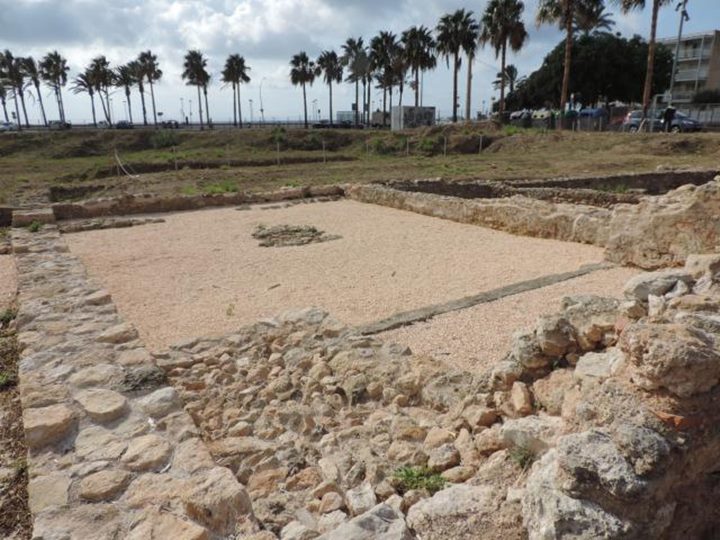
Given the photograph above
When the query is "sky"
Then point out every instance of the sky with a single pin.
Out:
(267, 33)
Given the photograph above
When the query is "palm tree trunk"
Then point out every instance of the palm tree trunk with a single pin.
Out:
(42, 105)
(234, 105)
(207, 108)
(468, 89)
(61, 103)
(647, 91)
(402, 87)
(107, 102)
(305, 105)
(366, 99)
(22, 101)
(569, 9)
(357, 101)
(331, 112)
(456, 68)
(17, 111)
(92, 103)
(384, 105)
(127, 95)
(57, 100)
(102, 103)
(4, 106)
(200, 107)
(502, 78)
(239, 105)
(417, 87)
(152, 96)
(141, 89)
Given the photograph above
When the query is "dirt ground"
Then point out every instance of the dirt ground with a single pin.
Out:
(477, 337)
(202, 273)
(8, 281)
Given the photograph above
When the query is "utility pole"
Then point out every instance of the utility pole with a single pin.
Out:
(682, 8)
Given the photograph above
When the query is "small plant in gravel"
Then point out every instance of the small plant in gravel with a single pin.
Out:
(7, 316)
(35, 226)
(408, 478)
(6, 380)
(523, 456)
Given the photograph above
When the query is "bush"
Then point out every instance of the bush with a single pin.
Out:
(163, 139)
(409, 478)
(524, 457)
(35, 226)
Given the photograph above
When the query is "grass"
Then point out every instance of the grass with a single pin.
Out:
(7, 316)
(524, 457)
(409, 478)
(7, 380)
(35, 226)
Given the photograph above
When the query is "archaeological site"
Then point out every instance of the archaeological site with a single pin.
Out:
(394, 360)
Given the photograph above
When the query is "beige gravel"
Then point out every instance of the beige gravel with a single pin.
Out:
(8, 280)
(475, 338)
(201, 273)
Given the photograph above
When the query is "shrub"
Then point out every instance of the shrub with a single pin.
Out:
(7, 316)
(35, 226)
(409, 478)
(523, 456)
(163, 139)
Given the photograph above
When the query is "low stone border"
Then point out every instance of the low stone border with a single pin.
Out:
(112, 453)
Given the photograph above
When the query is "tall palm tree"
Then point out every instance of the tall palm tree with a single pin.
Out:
(152, 72)
(562, 13)
(235, 73)
(54, 71)
(3, 98)
(457, 33)
(384, 48)
(303, 72)
(83, 83)
(419, 46)
(32, 72)
(14, 73)
(103, 78)
(592, 17)
(138, 73)
(502, 26)
(331, 68)
(125, 78)
(195, 74)
(356, 59)
(629, 5)
(511, 78)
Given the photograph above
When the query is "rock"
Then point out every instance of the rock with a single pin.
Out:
(555, 336)
(674, 356)
(160, 402)
(598, 366)
(102, 406)
(158, 524)
(459, 474)
(479, 416)
(593, 318)
(646, 450)
(360, 499)
(98, 298)
(490, 440)
(659, 283)
(97, 375)
(47, 425)
(103, 485)
(305, 479)
(697, 265)
(450, 510)
(330, 521)
(405, 452)
(330, 502)
(296, 530)
(436, 437)
(48, 491)
(550, 391)
(533, 433)
(380, 523)
(466, 446)
(218, 501)
(262, 483)
(527, 353)
(442, 458)
(521, 399)
(145, 453)
(120, 333)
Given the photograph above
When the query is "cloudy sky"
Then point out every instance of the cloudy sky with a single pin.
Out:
(267, 33)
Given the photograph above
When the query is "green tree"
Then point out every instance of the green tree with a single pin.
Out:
(502, 25)
(3, 98)
(195, 74)
(384, 48)
(54, 71)
(591, 17)
(235, 73)
(152, 72)
(302, 73)
(103, 78)
(137, 70)
(32, 72)
(419, 47)
(629, 5)
(457, 33)
(83, 84)
(331, 69)
(511, 78)
(125, 78)
(13, 72)
(355, 58)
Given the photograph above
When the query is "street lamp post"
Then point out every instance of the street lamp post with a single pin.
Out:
(262, 109)
(251, 112)
(682, 8)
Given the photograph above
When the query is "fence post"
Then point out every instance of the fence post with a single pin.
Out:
(445, 146)
(481, 145)
(175, 158)
(324, 157)
(277, 150)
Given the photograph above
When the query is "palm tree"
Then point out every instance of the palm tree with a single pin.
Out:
(511, 78)
(3, 97)
(591, 17)
(562, 13)
(102, 77)
(419, 46)
(13, 72)
(125, 78)
(384, 48)
(503, 26)
(31, 70)
(152, 72)
(195, 74)
(330, 66)
(235, 73)
(303, 72)
(629, 5)
(356, 59)
(54, 70)
(83, 83)
(137, 70)
(456, 33)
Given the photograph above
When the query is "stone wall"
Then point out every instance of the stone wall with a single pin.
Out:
(112, 453)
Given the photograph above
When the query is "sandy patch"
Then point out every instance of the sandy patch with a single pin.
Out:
(8, 280)
(202, 273)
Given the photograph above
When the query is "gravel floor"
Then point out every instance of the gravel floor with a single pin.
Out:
(474, 338)
(201, 273)
(8, 280)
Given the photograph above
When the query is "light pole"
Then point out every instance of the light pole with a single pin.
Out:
(262, 109)
(314, 105)
(182, 110)
(190, 102)
(251, 112)
(682, 8)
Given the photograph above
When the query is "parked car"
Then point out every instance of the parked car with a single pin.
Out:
(682, 123)
(102, 124)
(170, 124)
(58, 125)
(124, 124)
(8, 126)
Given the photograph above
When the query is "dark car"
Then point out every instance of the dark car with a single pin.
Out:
(57, 125)
(680, 124)
(170, 124)
(123, 124)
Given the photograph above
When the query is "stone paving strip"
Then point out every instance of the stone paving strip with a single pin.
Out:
(417, 315)
(112, 453)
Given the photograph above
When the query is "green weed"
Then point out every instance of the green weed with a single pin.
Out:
(35, 226)
(409, 478)
(523, 456)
